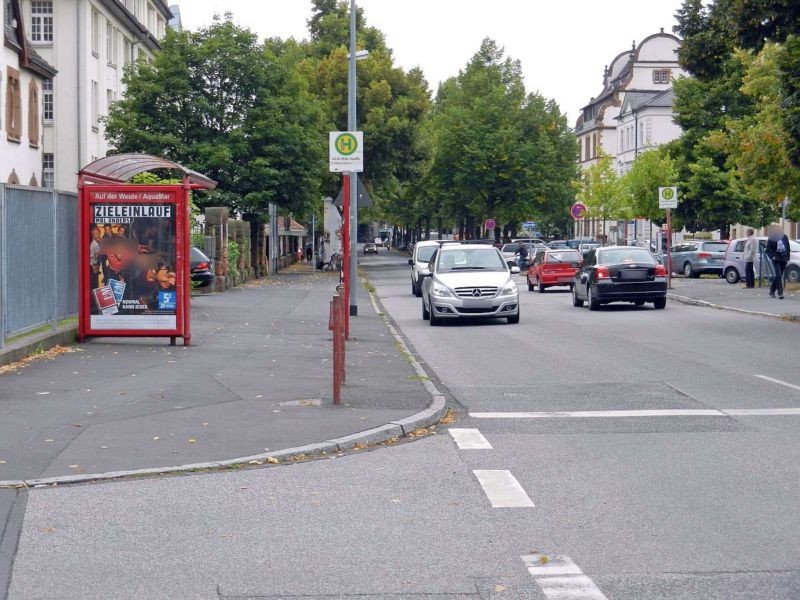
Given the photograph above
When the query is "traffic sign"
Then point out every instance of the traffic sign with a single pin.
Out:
(490, 224)
(668, 197)
(529, 225)
(577, 210)
(346, 151)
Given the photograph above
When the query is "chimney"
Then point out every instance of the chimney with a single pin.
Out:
(662, 30)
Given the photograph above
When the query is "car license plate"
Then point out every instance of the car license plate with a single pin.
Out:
(633, 275)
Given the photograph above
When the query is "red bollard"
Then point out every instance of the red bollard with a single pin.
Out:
(336, 324)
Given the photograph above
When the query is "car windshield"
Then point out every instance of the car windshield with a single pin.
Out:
(567, 256)
(618, 256)
(470, 259)
(510, 248)
(197, 256)
(424, 253)
(715, 246)
(794, 246)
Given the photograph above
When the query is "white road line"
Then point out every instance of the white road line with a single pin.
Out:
(503, 489)
(596, 414)
(561, 579)
(585, 414)
(779, 382)
(469, 439)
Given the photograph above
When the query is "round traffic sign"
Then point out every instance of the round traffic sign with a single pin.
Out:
(667, 193)
(577, 210)
(490, 224)
(346, 144)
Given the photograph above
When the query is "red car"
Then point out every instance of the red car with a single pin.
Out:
(553, 267)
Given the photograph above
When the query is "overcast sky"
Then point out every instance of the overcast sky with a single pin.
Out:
(563, 44)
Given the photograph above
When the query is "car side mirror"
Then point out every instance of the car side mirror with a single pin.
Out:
(515, 270)
(410, 261)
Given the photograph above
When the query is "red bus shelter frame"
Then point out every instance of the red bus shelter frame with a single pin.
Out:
(112, 174)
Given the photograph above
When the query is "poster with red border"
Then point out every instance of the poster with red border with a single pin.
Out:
(133, 260)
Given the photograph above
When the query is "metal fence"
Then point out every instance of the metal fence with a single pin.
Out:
(38, 258)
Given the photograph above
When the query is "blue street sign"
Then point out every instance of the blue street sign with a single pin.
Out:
(529, 225)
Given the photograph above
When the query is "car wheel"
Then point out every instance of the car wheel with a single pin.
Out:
(432, 319)
(590, 300)
(575, 300)
(732, 275)
(418, 290)
(542, 288)
(793, 274)
(425, 313)
(530, 285)
(660, 304)
(688, 271)
(513, 320)
(413, 288)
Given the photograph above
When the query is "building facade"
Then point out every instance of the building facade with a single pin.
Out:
(22, 74)
(90, 42)
(641, 74)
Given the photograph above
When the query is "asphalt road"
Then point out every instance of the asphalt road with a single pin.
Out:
(622, 454)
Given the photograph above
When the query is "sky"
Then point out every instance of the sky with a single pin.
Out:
(563, 45)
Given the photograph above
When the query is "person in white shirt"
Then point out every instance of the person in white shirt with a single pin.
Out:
(750, 254)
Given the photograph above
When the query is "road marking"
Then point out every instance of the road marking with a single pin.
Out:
(469, 439)
(597, 414)
(503, 489)
(779, 382)
(560, 578)
(585, 414)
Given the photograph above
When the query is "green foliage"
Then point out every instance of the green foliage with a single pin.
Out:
(601, 191)
(234, 252)
(639, 186)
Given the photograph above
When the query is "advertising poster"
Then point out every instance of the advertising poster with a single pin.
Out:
(132, 262)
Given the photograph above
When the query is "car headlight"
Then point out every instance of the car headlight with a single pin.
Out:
(508, 289)
(441, 291)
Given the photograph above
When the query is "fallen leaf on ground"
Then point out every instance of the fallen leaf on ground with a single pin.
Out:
(500, 588)
(156, 438)
(42, 393)
(2, 462)
(48, 530)
(255, 462)
(49, 440)
(74, 466)
(272, 460)
(192, 441)
(396, 500)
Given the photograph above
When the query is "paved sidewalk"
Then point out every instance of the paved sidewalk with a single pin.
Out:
(257, 377)
(721, 293)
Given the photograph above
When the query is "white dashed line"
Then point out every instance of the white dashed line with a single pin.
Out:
(600, 414)
(779, 382)
(561, 579)
(503, 489)
(469, 439)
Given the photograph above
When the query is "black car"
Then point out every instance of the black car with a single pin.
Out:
(201, 269)
(620, 274)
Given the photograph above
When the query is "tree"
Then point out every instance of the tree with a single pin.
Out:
(639, 186)
(600, 191)
(221, 103)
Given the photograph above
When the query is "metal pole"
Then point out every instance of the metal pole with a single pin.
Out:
(313, 242)
(346, 253)
(669, 248)
(351, 126)
(273, 238)
(3, 259)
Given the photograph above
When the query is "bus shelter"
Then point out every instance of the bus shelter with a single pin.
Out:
(133, 249)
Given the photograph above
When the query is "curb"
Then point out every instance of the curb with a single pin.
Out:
(24, 347)
(369, 437)
(695, 302)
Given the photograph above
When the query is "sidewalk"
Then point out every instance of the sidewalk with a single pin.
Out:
(257, 377)
(720, 293)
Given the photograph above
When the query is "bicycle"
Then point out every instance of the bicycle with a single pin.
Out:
(334, 264)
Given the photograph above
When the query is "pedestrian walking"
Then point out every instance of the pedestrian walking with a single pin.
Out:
(750, 254)
(778, 253)
(309, 251)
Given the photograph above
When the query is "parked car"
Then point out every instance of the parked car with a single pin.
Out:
(553, 267)
(535, 241)
(420, 256)
(469, 281)
(370, 248)
(575, 243)
(792, 273)
(509, 251)
(620, 274)
(557, 244)
(733, 266)
(201, 268)
(696, 257)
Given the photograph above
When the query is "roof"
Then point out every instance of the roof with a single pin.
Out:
(293, 226)
(119, 10)
(16, 40)
(364, 199)
(119, 168)
(636, 101)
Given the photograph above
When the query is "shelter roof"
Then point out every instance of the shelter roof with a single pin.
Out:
(119, 168)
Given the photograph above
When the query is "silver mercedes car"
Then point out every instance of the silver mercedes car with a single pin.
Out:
(469, 280)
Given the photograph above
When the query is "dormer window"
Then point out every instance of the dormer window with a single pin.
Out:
(662, 76)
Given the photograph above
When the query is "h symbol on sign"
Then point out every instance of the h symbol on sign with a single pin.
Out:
(346, 144)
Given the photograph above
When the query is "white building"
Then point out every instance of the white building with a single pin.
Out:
(90, 42)
(643, 73)
(22, 73)
(645, 121)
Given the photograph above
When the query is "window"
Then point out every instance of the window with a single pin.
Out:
(42, 21)
(13, 105)
(641, 136)
(594, 145)
(48, 170)
(620, 145)
(34, 114)
(662, 76)
(127, 52)
(109, 43)
(110, 98)
(95, 105)
(95, 33)
(47, 100)
(587, 152)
